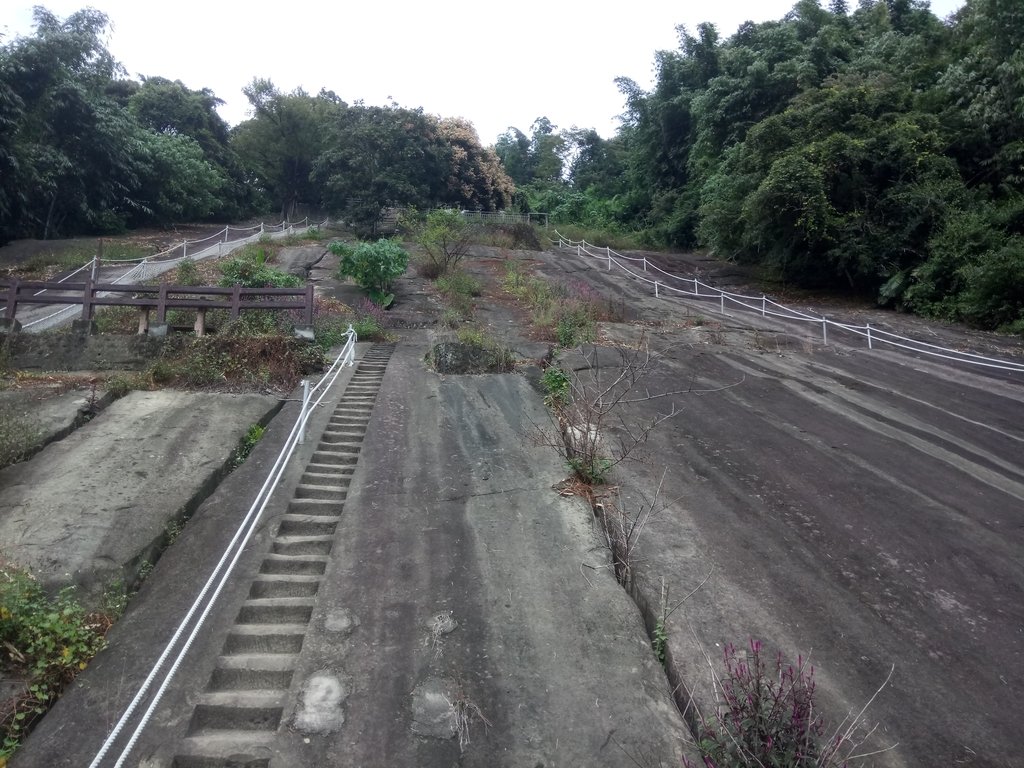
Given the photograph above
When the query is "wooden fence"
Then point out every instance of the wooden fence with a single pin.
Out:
(155, 297)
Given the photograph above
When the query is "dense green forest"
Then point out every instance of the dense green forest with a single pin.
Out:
(85, 149)
(878, 150)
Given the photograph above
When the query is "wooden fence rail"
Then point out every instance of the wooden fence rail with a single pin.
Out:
(159, 297)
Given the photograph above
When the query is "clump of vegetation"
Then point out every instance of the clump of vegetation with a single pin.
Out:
(474, 351)
(245, 446)
(557, 385)
(232, 364)
(251, 270)
(445, 238)
(20, 436)
(567, 314)
(767, 716)
(187, 273)
(46, 641)
(373, 267)
(459, 290)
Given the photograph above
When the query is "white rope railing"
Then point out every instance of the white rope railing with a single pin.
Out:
(225, 566)
(761, 305)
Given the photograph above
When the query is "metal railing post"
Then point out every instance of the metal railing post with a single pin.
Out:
(824, 330)
(655, 289)
(869, 336)
(764, 301)
(184, 248)
(721, 298)
(645, 263)
(302, 414)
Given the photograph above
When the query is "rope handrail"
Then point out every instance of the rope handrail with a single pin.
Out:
(224, 568)
(788, 313)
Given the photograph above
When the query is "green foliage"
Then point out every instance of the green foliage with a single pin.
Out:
(188, 273)
(50, 640)
(245, 446)
(445, 237)
(373, 267)
(20, 436)
(566, 313)
(659, 640)
(249, 268)
(557, 384)
(591, 469)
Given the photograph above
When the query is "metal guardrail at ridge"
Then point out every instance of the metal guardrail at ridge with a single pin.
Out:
(693, 288)
(218, 244)
(204, 602)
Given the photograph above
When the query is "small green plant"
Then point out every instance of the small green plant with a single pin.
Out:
(558, 386)
(659, 640)
(246, 444)
(373, 266)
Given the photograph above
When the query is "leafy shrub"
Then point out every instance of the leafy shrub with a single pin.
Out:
(249, 269)
(373, 266)
(188, 273)
(445, 239)
(48, 640)
(766, 717)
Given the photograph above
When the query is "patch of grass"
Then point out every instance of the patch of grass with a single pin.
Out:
(616, 240)
(251, 268)
(47, 641)
(63, 257)
(458, 290)
(566, 313)
(20, 436)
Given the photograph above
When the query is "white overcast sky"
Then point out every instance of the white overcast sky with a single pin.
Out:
(497, 65)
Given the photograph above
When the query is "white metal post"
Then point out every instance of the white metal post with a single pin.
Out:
(655, 289)
(95, 265)
(645, 263)
(302, 415)
(824, 330)
(695, 292)
(869, 336)
(721, 298)
(763, 302)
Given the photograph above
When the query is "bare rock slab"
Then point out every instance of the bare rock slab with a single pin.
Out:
(88, 508)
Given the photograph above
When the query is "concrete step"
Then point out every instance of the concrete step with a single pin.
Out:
(275, 610)
(254, 639)
(241, 710)
(264, 587)
(307, 525)
(251, 677)
(295, 545)
(321, 456)
(221, 749)
(309, 565)
(318, 492)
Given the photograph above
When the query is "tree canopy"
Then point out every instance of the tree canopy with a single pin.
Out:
(879, 151)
